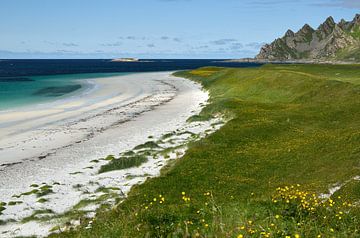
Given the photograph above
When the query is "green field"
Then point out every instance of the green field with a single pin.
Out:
(293, 133)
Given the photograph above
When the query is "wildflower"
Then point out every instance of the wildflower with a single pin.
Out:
(183, 193)
(154, 199)
(250, 222)
(297, 236)
(242, 228)
(240, 236)
(331, 229)
(277, 216)
(206, 225)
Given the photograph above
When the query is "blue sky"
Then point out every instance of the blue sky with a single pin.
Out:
(155, 28)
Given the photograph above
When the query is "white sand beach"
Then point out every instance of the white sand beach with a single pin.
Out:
(55, 144)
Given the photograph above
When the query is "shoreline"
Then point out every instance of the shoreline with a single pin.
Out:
(18, 125)
(163, 109)
(266, 61)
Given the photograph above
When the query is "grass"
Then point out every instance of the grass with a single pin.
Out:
(290, 124)
(42, 200)
(2, 207)
(39, 191)
(123, 163)
(39, 215)
(147, 145)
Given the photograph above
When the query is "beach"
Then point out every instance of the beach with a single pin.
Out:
(59, 145)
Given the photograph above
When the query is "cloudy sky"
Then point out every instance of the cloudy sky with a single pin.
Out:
(155, 28)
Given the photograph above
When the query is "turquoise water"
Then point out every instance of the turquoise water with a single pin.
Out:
(25, 91)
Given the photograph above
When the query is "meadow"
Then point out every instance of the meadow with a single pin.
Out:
(286, 164)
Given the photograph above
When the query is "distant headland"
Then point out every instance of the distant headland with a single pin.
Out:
(125, 60)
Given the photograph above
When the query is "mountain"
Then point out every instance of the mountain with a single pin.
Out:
(331, 41)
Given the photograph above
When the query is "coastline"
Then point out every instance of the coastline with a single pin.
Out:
(267, 61)
(160, 104)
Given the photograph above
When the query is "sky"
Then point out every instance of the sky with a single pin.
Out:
(152, 29)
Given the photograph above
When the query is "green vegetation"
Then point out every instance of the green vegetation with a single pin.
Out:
(42, 200)
(147, 145)
(123, 163)
(44, 190)
(349, 54)
(2, 207)
(355, 32)
(39, 192)
(290, 124)
(39, 215)
(13, 203)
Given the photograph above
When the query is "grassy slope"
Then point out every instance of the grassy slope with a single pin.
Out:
(292, 124)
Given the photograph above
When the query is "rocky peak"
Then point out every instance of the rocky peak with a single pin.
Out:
(289, 33)
(343, 24)
(356, 20)
(306, 29)
(327, 27)
(330, 22)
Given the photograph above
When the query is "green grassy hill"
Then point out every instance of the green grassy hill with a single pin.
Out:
(293, 133)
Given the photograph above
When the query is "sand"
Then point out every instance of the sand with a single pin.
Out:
(57, 143)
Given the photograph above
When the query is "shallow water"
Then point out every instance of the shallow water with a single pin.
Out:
(23, 91)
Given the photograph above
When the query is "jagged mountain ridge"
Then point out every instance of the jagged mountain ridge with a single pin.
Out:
(330, 41)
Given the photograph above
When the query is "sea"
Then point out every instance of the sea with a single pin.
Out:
(32, 82)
